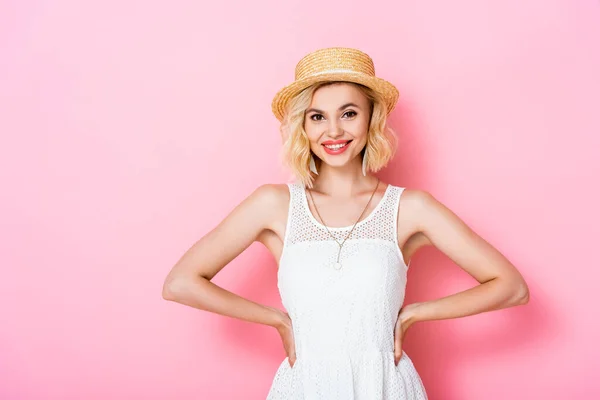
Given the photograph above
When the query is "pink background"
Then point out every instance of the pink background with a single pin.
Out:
(131, 128)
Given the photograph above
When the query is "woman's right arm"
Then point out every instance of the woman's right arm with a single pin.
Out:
(189, 281)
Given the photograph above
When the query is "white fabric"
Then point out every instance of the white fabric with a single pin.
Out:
(343, 320)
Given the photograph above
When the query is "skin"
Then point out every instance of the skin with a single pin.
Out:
(341, 192)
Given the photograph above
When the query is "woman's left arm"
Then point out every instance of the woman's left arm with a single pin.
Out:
(501, 284)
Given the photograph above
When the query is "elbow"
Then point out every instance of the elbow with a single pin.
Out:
(167, 292)
(524, 299)
(179, 288)
(521, 295)
(172, 289)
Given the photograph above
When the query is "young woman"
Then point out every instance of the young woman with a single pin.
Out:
(344, 240)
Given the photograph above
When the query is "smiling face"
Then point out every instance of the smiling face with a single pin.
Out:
(337, 123)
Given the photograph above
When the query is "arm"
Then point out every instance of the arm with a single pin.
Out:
(189, 281)
(501, 284)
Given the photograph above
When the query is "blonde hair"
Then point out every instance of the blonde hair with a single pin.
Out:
(296, 152)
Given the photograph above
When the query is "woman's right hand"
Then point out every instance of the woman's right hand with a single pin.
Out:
(287, 337)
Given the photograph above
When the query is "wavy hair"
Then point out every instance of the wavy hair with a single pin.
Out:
(296, 153)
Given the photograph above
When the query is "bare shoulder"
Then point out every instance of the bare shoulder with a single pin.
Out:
(273, 191)
(431, 216)
(420, 204)
(272, 196)
(412, 197)
(413, 204)
(272, 199)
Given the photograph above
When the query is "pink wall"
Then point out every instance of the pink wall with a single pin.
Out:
(129, 129)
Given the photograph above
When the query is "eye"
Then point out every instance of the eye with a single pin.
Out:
(351, 112)
(315, 115)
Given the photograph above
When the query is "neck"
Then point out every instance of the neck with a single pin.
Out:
(344, 181)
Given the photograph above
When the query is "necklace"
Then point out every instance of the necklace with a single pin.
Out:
(337, 264)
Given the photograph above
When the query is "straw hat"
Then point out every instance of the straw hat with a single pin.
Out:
(334, 64)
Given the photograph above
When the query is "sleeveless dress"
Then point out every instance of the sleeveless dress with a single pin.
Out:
(343, 318)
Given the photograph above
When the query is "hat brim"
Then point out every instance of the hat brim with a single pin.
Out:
(388, 92)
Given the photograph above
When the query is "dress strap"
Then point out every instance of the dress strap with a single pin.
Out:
(397, 211)
(288, 224)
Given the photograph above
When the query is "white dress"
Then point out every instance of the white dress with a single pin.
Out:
(343, 319)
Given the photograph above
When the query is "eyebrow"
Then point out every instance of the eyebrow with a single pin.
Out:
(339, 109)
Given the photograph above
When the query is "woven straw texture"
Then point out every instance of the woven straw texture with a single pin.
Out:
(334, 64)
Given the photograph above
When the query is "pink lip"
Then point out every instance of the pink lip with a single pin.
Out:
(335, 141)
(338, 151)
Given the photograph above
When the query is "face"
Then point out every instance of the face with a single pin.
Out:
(337, 123)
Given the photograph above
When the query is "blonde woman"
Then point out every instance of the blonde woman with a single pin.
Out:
(343, 240)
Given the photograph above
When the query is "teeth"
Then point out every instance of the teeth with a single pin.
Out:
(335, 146)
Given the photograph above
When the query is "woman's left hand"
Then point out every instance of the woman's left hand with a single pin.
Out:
(406, 317)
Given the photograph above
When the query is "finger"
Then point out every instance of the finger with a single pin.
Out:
(397, 347)
(404, 330)
(292, 354)
(292, 358)
(397, 338)
(397, 355)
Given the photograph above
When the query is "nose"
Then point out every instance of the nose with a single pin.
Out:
(334, 129)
